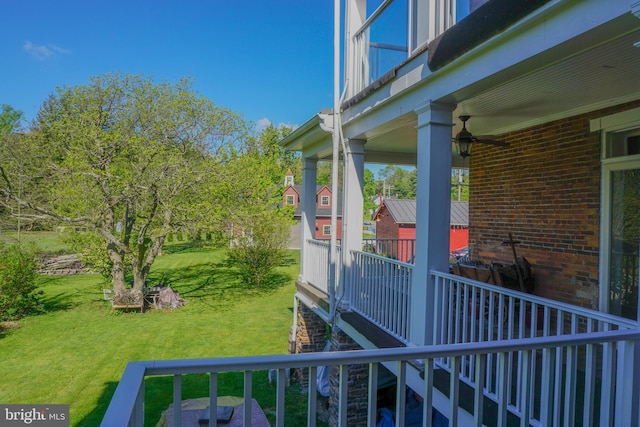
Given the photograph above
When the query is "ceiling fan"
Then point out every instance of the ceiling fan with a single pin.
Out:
(464, 139)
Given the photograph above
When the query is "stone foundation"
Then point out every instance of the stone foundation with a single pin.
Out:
(311, 335)
(357, 382)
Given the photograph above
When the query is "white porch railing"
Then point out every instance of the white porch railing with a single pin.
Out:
(317, 254)
(469, 311)
(616, 407)
(380, 290)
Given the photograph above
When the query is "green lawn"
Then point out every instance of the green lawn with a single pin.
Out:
(77, 351)
(46, 241)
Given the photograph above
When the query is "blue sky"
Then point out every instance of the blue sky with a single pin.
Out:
(266, 59)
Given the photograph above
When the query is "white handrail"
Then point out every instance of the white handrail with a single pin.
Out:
(471, 311)
(125, 407)
(317, 272)
(380, 290)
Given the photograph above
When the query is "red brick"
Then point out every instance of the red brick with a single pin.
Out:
(544, 189)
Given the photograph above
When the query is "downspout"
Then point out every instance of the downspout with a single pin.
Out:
(333, 254)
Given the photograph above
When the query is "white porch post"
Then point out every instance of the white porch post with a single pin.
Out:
(308, 219)
(355, 16)
(352, 209)
(433, 204)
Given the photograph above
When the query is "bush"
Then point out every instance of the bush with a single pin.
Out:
(17, 282)
(91, 250)
(259, 247)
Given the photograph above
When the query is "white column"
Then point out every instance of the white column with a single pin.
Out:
(352, 210)
(433, 205)
(355, 16)
(418, 24)
(308, 219)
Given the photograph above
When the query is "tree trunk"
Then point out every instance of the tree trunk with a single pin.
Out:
(139, 278)
(117, 268)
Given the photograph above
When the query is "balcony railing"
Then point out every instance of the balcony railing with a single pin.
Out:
(469, 311)
(559, 398)
(386, 39)
(380, 292)
(539, 360)
(380, 287)
(380, 44)
(317, 256)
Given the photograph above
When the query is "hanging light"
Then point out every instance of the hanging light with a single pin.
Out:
(464, 139)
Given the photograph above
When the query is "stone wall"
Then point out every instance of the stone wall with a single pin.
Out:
(357, 382)
(311, 333)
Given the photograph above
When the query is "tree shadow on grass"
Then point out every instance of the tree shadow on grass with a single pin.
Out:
(94, 418)
(52, 302)
(186, 247)
(7, 326)
(217, 284)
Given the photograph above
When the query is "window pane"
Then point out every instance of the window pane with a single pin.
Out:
(625, 242)
(623, 144)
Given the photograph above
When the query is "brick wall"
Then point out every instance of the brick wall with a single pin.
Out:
(386, 227)
(545, 189)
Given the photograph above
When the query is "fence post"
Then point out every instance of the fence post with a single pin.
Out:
(625, 376)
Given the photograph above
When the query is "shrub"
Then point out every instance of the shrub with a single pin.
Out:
(17, 282)
(259, 246)
(91, 250)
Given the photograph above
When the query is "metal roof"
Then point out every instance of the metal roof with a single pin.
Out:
(403, 211)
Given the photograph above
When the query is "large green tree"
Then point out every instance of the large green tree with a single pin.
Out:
(369, 193)
(10, 119)
(248, 199)
(395, 181)
(128, 158)
(13, 144)
(460, 185)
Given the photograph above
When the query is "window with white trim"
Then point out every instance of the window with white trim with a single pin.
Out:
(325, 201)
(620, 216)
(326, 230)
(290, 200)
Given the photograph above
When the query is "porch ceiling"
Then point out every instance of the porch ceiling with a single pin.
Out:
(592, 72)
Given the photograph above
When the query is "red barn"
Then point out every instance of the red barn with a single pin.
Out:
(396, 219)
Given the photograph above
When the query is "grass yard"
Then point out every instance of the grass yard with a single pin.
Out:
(47, 241)
(76, 352)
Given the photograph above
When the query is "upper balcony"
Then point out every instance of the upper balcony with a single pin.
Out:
(380, 35)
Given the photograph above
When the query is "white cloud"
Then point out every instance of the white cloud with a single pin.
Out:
(262, 124)
(43, 52)
(289, 125)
